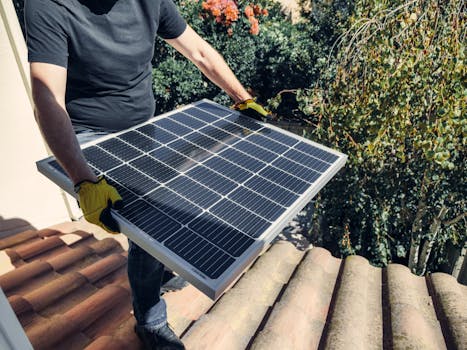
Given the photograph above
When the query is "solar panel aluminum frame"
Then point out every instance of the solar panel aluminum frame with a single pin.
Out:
(213, 288)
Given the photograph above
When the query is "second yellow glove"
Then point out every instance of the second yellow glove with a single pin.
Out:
(96, 200)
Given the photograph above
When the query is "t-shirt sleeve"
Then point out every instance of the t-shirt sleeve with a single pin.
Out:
(171, 23)
(46, 36)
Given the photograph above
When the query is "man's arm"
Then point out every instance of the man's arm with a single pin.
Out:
(48, 89)
(210, 62)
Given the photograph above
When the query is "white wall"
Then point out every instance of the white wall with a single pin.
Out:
(25, 195)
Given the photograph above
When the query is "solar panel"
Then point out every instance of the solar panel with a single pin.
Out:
(206, 188)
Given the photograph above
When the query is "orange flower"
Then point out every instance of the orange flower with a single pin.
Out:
(257, 10)
(205, 5)
(265, 12)
(249, 11)
(254, 29)
(215, 12)
(231, 12)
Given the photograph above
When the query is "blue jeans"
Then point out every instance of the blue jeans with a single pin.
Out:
(144, 272)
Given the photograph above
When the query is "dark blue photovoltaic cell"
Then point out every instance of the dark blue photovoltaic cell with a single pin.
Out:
(172, 126)
(255, 151)
(242, 159)
(206, 182)
(200, 253)
(269, 144)
(100, 159)
(308, 161)
(219, 134)
(204, 141)
(222, 235)
(240, 218)
(158, 134)
(231, 127)
(256, 203)
(139, 141)
(150, 220)
(133, 179)
(187, 120)
(120, 149)
(173, 159)
(316, 152)
(195, 192)
(296, 169)
(213, 109)
(228, 169)
(211, 179)
(173, 205)
(279, 177)
(190, 150)
(272, 191)
(154, 169)
(124, 192)
(280, 137)
(244, 122)
(201, 115)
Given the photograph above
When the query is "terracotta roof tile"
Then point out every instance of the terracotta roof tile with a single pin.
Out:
(243, 308)
(55, 290)
(413, 317)
(40, 247)
(103, 267)
(14, 240)
(23, 274)
(357, 301)
(70, 290)
(451, 299)
(305, 304)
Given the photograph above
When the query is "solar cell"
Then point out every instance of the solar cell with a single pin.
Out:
(205, 187)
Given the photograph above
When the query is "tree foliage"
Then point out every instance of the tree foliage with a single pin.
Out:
(267, 59)
(397, 107)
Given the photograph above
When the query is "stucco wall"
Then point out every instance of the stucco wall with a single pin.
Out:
(26, 197)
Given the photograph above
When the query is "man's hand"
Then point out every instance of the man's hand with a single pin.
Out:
(253, 110)
(96, 199)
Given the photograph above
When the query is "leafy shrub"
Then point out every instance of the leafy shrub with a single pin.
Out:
(263, 48)
(397, 107)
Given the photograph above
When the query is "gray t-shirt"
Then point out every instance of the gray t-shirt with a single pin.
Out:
(107, 47)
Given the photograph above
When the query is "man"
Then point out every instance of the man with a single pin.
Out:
(90, 65)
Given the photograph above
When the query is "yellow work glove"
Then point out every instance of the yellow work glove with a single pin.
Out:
(253, 110)
(96, 200)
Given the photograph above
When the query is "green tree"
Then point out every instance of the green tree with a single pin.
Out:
(397, 107)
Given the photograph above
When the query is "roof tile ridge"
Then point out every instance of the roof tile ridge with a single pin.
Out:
(124, 337)
(39, 247)
(48, 232)
(357, 297)
(46, 335)
(55, 290)
(185, 306)
(20, 275)
(20, 305)
(102, 247)
(69, 258)
(92, 308)
(450, 303)
(304, 303)
(17, 238)
(218, 329)
(414, 322)
(103, 267)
